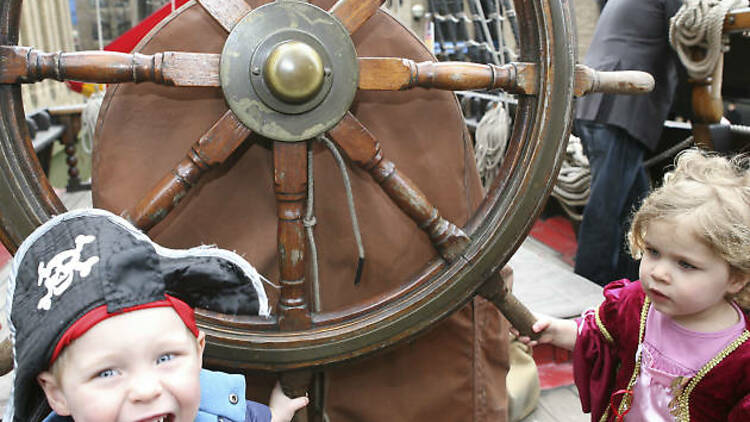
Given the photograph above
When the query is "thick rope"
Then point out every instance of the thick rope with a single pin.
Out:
(669, 153)
(698, 24)
(490, 140)
(573, 185)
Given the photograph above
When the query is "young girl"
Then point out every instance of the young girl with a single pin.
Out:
(674, 345)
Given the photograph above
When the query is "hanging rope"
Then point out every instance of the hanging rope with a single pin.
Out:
(309, 220)
(573, 185)
(698, 24)
(490, 139)
(309, 223)
(350, 202)
(89, 116)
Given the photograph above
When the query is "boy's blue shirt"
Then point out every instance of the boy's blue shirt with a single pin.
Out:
(222, 396)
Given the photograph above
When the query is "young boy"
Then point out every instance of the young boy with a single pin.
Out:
(103, 328)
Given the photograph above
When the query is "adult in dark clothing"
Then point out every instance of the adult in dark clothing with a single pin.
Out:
(617, 130)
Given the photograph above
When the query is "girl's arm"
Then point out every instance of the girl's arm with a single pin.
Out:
(559, 332)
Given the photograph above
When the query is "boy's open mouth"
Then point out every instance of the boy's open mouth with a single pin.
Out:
(167, 417)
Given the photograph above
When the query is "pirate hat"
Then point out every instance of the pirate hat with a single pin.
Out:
(86, 259)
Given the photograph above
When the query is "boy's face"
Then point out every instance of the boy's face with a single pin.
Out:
(141, 366)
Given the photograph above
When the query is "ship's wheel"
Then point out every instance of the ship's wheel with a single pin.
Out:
(236, 92)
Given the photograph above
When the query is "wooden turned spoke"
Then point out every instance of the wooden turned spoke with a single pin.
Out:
(26, 65)
(226, 12)
(589, 81)
(362, 148)
(290, 185)
(497, 291)
(212, 149)
(392, 73)
(353, 13)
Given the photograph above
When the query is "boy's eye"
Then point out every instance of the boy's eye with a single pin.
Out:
(166, 357)
(107, 373)
(652, 252)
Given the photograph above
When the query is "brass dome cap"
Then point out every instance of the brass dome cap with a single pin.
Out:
(294, 72)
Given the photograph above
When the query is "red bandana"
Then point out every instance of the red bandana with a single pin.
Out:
(99, 314)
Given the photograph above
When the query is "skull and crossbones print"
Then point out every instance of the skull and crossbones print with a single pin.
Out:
(57, 274)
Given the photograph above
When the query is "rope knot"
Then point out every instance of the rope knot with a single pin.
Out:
(310, 221)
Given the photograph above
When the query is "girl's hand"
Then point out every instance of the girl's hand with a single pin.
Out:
(559, 332)
(542, 324)
(283, 407)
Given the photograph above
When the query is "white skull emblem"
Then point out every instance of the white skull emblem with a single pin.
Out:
(57, 275)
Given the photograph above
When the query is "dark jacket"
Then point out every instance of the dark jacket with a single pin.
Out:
(634, 35)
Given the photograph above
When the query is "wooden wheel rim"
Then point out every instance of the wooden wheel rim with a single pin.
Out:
(497, 228)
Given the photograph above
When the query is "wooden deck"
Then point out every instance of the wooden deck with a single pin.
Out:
(558, 405)
(546, 284)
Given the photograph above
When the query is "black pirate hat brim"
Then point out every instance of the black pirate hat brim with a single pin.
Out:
(83, 259)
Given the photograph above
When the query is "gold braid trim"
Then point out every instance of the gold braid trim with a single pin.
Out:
(602, 328)
(684, 400)
(627, 399)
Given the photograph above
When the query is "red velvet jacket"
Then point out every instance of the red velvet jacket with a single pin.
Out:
(609, 336)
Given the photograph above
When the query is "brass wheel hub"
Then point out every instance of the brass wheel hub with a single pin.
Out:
(295, 83)
(294, 72)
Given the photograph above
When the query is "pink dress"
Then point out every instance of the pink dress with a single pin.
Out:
(605, 353)
(671, 354)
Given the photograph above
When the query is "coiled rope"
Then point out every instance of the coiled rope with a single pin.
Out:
(573, 185)
(698, 24)
(490, 139)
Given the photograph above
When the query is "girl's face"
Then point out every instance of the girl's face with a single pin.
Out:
(141, 366)
(685, 279)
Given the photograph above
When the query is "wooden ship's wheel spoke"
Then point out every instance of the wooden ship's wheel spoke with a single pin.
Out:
(393, 74)
(290, 182)
(211, 150)
(353, 13)
(226, 12)
(362, 148)
(27, 65)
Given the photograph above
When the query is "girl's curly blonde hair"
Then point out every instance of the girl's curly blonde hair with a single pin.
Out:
(714, 192)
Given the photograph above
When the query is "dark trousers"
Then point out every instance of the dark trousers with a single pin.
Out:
(618, 185)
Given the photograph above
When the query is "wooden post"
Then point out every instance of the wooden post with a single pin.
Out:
(290, 183)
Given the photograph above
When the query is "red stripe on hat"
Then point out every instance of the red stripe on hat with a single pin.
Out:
(99, 314)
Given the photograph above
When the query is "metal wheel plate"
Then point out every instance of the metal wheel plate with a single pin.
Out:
(251, 39)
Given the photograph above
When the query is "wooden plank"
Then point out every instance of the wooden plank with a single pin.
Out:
(560, 404)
